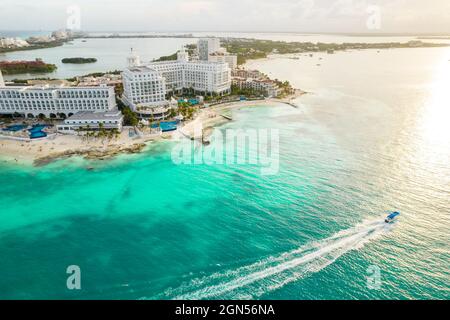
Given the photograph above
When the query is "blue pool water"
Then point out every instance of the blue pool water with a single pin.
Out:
(37, 134)
(36, 131)
(166, 126)
(15, 128)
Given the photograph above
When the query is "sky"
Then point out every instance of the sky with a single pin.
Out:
(332, 16)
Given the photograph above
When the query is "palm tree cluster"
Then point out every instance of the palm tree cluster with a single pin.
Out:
(101, 134)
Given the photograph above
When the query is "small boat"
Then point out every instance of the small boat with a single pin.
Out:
(390, 218)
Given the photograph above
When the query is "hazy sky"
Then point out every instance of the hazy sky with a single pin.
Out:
(395, 16)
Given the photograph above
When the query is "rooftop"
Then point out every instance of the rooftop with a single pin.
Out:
(90, 115)
(52, 87)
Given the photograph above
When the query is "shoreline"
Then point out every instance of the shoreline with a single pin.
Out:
(42, 152)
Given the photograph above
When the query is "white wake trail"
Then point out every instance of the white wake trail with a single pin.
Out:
(275, 272)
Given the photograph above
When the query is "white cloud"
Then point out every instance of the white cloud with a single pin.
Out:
(229, 15)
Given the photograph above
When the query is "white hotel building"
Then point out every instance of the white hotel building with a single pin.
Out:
(145, 87)
(55, 101)
(206, 47)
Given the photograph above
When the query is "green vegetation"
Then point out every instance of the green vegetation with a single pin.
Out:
(236, 91)
(187, 112)
(167, 58)
(79, 60)
(99, 133)
(52, 44)
(20, 67)
(189, 48)
(247, 49)
(129, 117)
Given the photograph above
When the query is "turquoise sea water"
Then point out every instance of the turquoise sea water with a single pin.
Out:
(141, 227)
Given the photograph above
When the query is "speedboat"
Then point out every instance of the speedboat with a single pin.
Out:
(390, 218)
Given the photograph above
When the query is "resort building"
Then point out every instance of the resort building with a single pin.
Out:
(268, 87)
(2, 82)
(145, 92)
(133, 60)
(200, 76)
(244, 73)
(230, 59)
(206, 47)
(210, 50)
(88, 120)
(55, 102)
(107, 79)
(146, 87)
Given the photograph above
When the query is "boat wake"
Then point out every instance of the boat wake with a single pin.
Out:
(257, 279)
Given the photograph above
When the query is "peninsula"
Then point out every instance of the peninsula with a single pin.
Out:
(248, 49)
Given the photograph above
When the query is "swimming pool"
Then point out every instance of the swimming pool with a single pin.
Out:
(36, 131)
(38, 134)
(168, 126)
(15, 128)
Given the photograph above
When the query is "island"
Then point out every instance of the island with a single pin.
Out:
(20, 67)
(249, 49)
(79, 60)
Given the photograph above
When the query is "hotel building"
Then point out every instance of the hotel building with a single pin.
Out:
(88, 120)
(206, 47)
(2, 82)
(210, 50)
(268, 87)
(55, 102)
(146, 87)
(145, 92)
(230, 59)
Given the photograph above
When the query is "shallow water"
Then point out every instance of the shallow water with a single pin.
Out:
(371, 137)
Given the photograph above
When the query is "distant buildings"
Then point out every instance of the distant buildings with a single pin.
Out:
(210, 50)
(146, 87)
(230, 59)
(56, 36)
(206, 47)
(40, 39)
(13, 43)
(61, 34)
(94, 81)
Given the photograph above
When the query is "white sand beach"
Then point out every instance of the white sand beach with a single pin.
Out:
(59, 146)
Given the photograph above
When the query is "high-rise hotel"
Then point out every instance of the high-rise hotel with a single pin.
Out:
(146, 86)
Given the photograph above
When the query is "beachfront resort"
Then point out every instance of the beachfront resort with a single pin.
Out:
(153, 91)
(101, 115)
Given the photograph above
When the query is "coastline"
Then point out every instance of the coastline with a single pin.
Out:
(42, 152)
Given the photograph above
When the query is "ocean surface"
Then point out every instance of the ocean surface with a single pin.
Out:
(372, 136)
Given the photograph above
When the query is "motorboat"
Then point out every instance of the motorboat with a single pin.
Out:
(391, 218)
